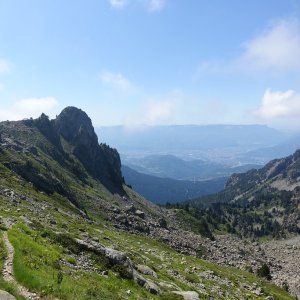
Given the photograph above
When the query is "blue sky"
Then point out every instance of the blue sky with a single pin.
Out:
(135, 62)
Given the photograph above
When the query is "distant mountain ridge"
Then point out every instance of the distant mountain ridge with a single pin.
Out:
(167, 190)
(181, 138)
(78, 232)
(282, 149)
(260, 202)
(170, 166)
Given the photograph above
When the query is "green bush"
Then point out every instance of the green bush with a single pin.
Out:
(201, 252)
(264, 271)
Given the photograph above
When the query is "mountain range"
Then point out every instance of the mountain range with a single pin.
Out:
(213, 143)
(163, 190)
(170, 166)
(70, 228)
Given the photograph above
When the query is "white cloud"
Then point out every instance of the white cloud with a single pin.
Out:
(156, 5)
(118, 4)
(276, 49)
(5, 66)
(156, 110)
(279, 105)
(117, 81)
(30, 107)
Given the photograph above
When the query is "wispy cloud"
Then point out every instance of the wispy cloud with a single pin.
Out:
(151, 5)
(29, 107)
(118, 4)
(117, 81)
(156, 5)
(275, 49)
(5, 66)
(279, 105)
(156, 110)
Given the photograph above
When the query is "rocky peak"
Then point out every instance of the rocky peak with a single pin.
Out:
(76, 127)
(101, 161)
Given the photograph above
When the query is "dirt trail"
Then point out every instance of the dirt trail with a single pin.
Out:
(8, 270)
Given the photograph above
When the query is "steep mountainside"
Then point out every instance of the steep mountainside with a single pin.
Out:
(163, 190)
(263, 203)
(71, 229)
(260, 202)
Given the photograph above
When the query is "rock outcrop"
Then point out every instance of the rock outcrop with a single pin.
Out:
(100, 161)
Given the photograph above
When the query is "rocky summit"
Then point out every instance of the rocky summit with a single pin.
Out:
(72, 229)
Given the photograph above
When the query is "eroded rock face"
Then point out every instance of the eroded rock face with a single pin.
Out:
(70, 134)
(76, 127)
(100, 161)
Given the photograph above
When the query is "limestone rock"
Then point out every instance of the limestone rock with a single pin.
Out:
(190, 295)
(151, 287)
(146, 270)
(6, 296)
(115, 256)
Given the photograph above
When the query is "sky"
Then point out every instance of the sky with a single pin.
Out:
(149, 62)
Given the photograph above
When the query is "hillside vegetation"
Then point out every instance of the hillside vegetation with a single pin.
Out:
(78, 232)
(263, 202)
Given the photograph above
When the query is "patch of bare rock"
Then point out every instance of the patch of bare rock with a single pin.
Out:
(282, 257)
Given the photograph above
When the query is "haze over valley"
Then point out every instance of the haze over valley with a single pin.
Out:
(149, 149)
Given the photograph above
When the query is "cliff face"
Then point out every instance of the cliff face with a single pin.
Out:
(101, 161)
(70, 141)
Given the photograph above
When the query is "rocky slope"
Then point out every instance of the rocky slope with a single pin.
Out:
(260, 202)
(79, 233)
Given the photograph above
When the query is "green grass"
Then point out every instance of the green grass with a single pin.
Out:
(8, 287)
(38, 256)
(36, 266)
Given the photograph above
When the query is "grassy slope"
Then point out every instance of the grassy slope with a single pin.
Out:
(9, 287)
(40, 260)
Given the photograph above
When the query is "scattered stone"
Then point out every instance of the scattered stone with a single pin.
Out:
(140, 214)
(52, 222)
